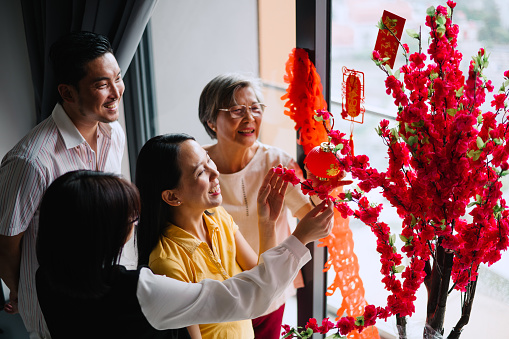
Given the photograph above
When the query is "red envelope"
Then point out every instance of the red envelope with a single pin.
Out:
(386, 44)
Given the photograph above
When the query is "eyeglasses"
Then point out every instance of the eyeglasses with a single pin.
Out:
(240, 111)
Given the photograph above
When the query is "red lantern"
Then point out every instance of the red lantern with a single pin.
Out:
(322, 162)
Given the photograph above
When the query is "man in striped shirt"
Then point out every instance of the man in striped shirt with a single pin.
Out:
(81, 133)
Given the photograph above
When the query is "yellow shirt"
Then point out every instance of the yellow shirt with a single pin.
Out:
(182, 256)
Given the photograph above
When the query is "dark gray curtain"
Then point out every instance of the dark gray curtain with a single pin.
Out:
(139, 99)
(122, 21)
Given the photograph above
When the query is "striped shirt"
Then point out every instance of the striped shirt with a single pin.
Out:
(52, 148)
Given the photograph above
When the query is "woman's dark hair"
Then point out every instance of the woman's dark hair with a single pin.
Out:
(71, 53)
(157, 170)
(85, 220)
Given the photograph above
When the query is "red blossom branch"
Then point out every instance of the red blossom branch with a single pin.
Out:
(446, 159)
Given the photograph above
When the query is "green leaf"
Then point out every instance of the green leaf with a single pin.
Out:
(506, 83)
(318, 118)
(418, 124)
(431, 11)
(472, 204)
(498, 141)
(408, 129)
(398, 269)
(412, 33)
(414, 220)
(443, 227)
(338, 147)
(392, 239)
(441, 20)
(412, 140)
(479, 142)
(388, 68)
(452, 111)
(441, 30)
(459, 92)
(476, 156)
(403, 238)
(359, 321)
(397, 73)
(479, 119)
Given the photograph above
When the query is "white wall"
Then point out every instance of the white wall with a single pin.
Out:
(194, 41)
(17, 108)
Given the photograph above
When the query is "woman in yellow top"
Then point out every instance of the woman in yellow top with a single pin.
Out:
(185, 234)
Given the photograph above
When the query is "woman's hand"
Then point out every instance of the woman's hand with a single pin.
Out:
(271, 197)
(270, 203)
(316, 224)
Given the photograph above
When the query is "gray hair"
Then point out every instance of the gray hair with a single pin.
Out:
(220, 93)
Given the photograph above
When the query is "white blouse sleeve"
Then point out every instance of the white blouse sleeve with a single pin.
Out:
(169, 303)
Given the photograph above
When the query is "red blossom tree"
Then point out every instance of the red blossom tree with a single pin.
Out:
(446, 160)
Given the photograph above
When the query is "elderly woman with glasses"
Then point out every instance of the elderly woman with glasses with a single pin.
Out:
(231, 110)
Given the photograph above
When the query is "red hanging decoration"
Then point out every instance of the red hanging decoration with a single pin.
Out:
(353, 96)
(353, 99)
(304, 94)
(322, 162)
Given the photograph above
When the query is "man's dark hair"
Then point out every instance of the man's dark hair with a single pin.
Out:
(73, 51)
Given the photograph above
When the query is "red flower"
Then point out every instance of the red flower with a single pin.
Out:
(312, 325)
(451, 4)
(326, 326)
(286, 329)
(376, 55)
(324, 114)
(286, 174)
(499, 102)
(370, 314)
(344, 209)
(307, 187)
(405, 46)
(337, 137)
(290, 177)
(345, 325)
(506, 74)
(417, 60)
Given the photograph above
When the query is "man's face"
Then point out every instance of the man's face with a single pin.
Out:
(99, 92)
